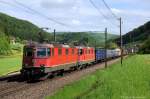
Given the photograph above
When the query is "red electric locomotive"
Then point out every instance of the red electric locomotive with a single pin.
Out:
(44, 59)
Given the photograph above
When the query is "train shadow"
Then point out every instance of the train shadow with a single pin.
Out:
(12, 78)
(19, 78)
(16, 78)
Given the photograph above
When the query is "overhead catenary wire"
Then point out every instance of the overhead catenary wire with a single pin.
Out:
(30, 10)
(101, 13)
(13, 5)
(107, 6)
(41, 14)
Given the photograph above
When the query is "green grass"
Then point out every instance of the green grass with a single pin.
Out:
(131, 81)
(12, 61)
(10, 64)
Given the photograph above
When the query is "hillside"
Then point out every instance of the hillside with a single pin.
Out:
(139, 34)
(84, 38)
(25, 30)
(22, 29)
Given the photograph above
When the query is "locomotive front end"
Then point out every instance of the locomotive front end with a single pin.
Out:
(35, 59)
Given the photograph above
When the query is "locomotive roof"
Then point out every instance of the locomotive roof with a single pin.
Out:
(46, 45)
(80, 47)
(55, 45)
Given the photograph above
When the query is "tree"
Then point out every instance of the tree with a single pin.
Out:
(145, 48)
(4, 44)
(112, 45)
(22, 29)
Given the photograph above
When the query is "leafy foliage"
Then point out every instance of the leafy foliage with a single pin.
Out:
(112, 45)
(22, 29)
(145, 48)
(84, 38)
(4, 44)
(139, 34)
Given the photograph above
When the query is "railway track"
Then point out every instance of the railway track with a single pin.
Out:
(7, 88)
(15, 89)
(10, 77)
(7, 91)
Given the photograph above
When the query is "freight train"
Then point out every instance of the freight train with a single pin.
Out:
(43, 60)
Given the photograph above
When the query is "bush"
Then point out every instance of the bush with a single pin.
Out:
(17, 47)
(145, 48)
(4, 44)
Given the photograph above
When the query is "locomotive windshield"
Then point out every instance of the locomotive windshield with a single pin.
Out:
(38, 52)
(42, 52)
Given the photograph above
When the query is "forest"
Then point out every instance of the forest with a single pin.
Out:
(22, 30)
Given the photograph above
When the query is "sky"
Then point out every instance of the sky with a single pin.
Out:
(80, 15)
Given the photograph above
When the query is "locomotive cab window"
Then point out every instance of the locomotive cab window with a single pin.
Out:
(28, 52)
(41, 52)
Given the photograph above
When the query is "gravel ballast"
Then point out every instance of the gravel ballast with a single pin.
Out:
(38, 90)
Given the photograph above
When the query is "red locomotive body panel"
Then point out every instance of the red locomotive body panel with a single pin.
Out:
(62, 56)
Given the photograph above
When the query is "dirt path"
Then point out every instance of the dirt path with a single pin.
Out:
(41, 89)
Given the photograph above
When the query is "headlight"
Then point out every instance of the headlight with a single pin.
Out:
(25, 65)
(33, 61)
(42, 65)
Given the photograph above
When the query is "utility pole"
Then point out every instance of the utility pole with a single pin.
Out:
(105, 47)
(130, 39)
(41, 36)
(131, 42)
(95, 49)
(54, 35)
(120, 19)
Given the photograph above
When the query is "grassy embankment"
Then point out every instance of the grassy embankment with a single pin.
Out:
(132, 80)
(11, 62)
